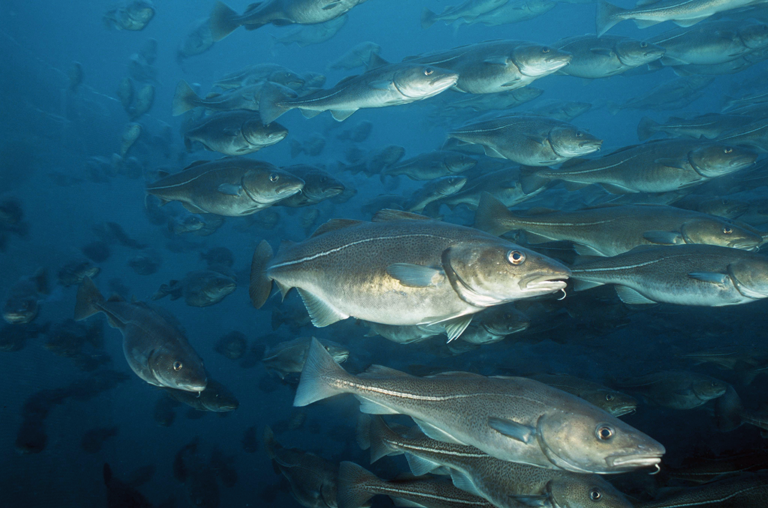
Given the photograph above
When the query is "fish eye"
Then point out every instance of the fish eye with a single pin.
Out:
(608, 397)
(727, 150)
(604, 433)
(579, 134)
(428, 71)
(177, 366)
(515, 257)
(274, 177)
(595, 494)
(727, 230)
(546, 50)
(643, 45)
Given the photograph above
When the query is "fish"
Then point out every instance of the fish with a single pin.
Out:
(74, 272)
(381, 86)
(216, 398)
(200, 288)
(510, 418)
(235, 133)
(358, 56)
(684, 13)
(502, 184)
(513, 11)
(708, 126)
(529, 140)
(224, 20)
(288, 357)
(145, 98)
(404, 334)
(701, 275)
(317, 33)
(154, 345)
(232, 187)
(261, 72)
(357, 486)
(434, 190)
(233, 345)
(609, 400)
(143, 264)
(22, 303)
(495, 324)
(675, 389)
(312, 146)
(374, 162)
(431, 165)
(246, 97)
(469, 9)
(497, 66)
(659, 166)
(133, 15)
(506, 484)
(198, 40)
(563, 111)
(615, 229)
(731, 414)
(125, 91)
(601, 57)
(750, 134)
(746, 490)
(130, 134)
(319, 185)
(423, 272)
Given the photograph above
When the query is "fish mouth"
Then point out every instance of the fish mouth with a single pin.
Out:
(623, 411)
(445, 81)
(633, 461)
(592, 146)
(192, 387)
(745, 244)
(548, 282)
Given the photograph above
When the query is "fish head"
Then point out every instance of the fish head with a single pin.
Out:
(584, 491)
(256, 133)
(754, 35)
(320, 185)
(339, 353)
(458, 163)
(750, 276)
(21, 308)
(487, 273)
(716, 159)
(267, 186)
(722, 233)
(503, 321)
(313, 80)
(178, 367)
(634, 53)
(707, 388)
(568, 141)
(448, 185)
(423, 81)
(585, 439)
(287, 78)
(218, 399)
(613, 402)
(218, 286)
(535, 60)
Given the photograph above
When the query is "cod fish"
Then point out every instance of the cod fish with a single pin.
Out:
(676, 389)
(357, 486)
(510, 418)
(702, 275)
(21, 306)
(504, 484)
(258, 73)
(314, 34)
(467, 10)
(231, 187)
(224, 20)
(235, 133)
(200, 288)
(381, 86)
(659, 166)
(601, 57)
(216, 398)
(318, 186)
(684, 13)
(433, 190)
(709, 126)
(607, 399)
(529, 140)
(612, 230)
(133, 15)
(497, 66)
(246, 97)
(357, 56)
(431, 165)
(288, 357)
(495, 324)
(153, 343)
(402, 269)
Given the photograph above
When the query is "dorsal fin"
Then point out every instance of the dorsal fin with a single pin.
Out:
(196, 163)
(334, 225)
(346, 80)
(388, 215)
(376, 61)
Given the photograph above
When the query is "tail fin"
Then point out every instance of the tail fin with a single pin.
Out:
(379, 434)
(607, 16)
(269, 442)
(261, 284)
(223, 21)
(87, 296)
(646, 128)
(531, 180)
(491, 214)
(184, 99)
(355, 486)
(319, 376)
(428, 18)
(272, 95)
(728, 410)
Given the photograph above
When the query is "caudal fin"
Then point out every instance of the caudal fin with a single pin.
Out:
(728, 410)
(531, 180)
(270, 101)
(428, 18)
(319, 376)
(646, 128)
(379, 435)
(223, 21)
(356, 486)
(87, 296)
(491, 214)
(261, 284)
(607, 16)
(184, 99)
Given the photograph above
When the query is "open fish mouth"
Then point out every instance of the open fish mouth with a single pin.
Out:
(545, 283)
(633, 461)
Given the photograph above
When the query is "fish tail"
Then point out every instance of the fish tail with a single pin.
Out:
(356, 485)
(646, 128)
(269, 442)
(270, 108)
(319, 376)
(379, 433)
(728, 410)
(223, 21)
(607, 16)
(261, 284)
(87, 296)
(531, 180)
(428, 18)
(491, 215)
(184, 99)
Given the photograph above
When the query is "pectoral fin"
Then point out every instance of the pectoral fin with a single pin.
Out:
(230, 189)
(496, 60)
(532, 501)
(664, 237)
(523, 433)
(632, 297)
(341, 115)
(321, 313)
(456, 326)
(415, 275)
(382, 84)
(720, 279)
